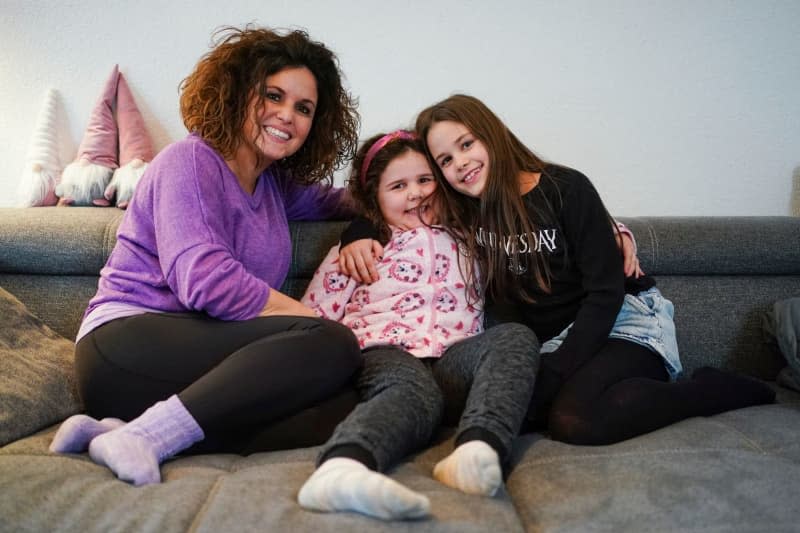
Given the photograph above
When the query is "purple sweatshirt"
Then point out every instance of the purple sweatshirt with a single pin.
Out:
(193, 240)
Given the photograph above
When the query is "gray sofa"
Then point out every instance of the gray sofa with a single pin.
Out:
(739, 471)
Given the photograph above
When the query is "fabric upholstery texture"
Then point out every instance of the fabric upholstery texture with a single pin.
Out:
(37, 388)
(737, 471)
(734, 472)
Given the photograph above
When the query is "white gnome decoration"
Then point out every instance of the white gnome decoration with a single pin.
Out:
(42, 170)
(84, 181)
(135, 147)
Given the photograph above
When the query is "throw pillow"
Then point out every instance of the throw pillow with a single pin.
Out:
(37, 385)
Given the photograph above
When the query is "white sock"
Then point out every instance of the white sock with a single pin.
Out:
(342, 484)
(473, 467)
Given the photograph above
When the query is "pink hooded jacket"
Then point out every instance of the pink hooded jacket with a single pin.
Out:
(419, 304)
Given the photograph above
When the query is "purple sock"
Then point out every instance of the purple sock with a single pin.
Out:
(135, 451)
(76, 432)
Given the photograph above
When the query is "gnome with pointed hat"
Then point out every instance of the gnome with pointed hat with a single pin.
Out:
(98, 175)
(42, 170)
(84, 181)
(135, 147)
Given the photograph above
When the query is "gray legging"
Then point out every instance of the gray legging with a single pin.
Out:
(234, 377)
(487, 380)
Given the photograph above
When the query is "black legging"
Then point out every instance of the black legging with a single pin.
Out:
(234, 377)
(624, 391)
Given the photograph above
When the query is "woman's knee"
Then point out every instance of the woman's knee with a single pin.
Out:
(99, 382)
(339, 343)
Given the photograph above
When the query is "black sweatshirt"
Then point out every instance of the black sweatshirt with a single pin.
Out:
(587, 284)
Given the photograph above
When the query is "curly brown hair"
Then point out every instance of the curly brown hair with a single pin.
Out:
(215, 97)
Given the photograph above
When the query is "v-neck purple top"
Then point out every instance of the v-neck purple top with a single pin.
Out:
(193, 240)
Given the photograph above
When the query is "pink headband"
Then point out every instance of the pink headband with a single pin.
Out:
(378, 146)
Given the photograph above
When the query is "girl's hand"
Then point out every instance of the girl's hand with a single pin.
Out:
(631, 265)
(278, 304)
(357, 260)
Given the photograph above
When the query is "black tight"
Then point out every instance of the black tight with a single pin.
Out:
(624, 391)
(231, 376)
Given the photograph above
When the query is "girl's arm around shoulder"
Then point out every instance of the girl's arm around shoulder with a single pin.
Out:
(360, 250)
(627, 243)
(566, 179)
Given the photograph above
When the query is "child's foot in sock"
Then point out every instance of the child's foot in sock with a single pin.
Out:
(473, 467)
(732, 391)
(135, 451)
(76, 432)
(342, 484)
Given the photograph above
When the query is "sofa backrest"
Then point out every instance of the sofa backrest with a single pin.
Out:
(51, 257)
(722, 273)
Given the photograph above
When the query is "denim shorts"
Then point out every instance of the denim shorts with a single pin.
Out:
(646, 319)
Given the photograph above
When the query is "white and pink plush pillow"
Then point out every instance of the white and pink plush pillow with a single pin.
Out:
(84, 180)
(114, 151)
(135, 147)
(42, 170)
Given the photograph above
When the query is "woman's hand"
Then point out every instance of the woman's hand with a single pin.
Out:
(631, 265)
(278, 304)
(357, 260)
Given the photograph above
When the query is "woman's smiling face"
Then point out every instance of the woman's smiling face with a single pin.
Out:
(279, 126)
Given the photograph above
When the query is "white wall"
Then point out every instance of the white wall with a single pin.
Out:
(673, 107)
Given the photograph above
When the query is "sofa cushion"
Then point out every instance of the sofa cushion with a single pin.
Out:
(37, 387)
(736, 471)
(43, 491)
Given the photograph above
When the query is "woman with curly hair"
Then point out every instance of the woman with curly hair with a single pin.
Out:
(187, 338)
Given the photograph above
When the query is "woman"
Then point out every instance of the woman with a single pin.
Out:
(187, 319)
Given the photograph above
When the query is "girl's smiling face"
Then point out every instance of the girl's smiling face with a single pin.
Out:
(404, 192)
(462, 157)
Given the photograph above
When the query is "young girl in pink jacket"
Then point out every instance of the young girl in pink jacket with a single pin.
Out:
(426, 355)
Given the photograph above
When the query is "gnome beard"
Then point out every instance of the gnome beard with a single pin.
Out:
(84, 183)
(124, 182)
(37, 186)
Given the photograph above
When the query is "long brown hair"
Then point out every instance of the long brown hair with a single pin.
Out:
(500, 210)
(214, 98)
